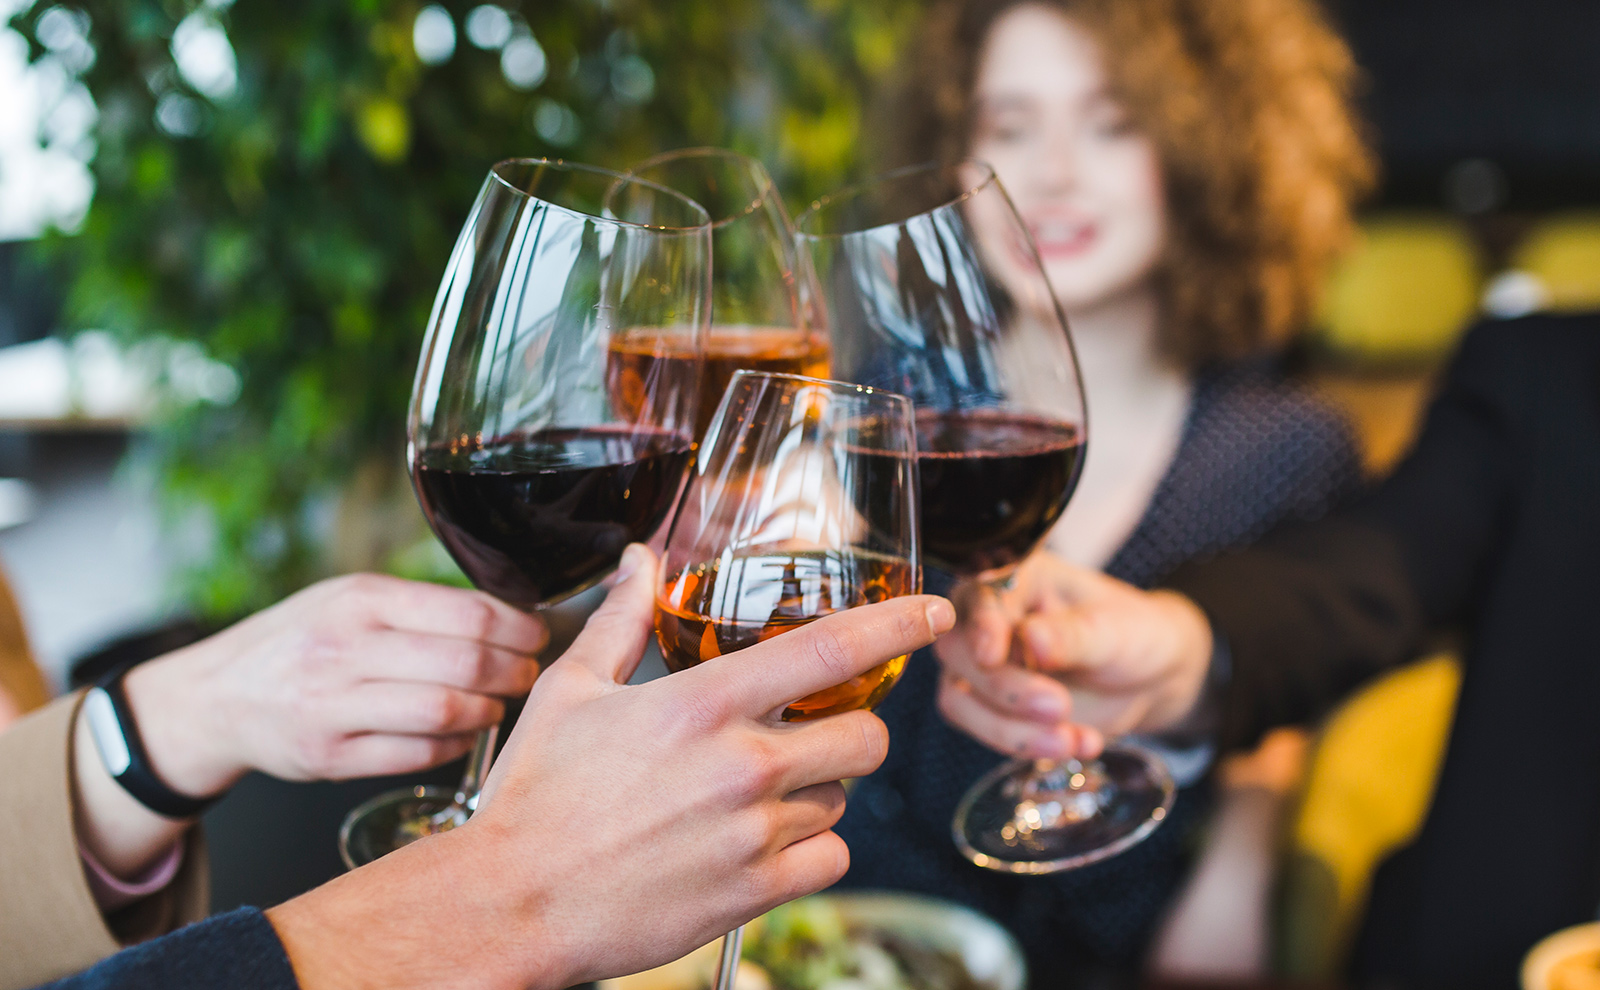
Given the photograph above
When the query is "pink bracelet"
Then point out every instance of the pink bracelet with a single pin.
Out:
(111, 892)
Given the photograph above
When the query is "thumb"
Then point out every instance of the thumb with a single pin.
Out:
(1067, 638)
(613, 640)
(1062, 583)
(984, 627)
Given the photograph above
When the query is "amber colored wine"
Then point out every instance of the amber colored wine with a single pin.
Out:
(639, 357)
(730, 603)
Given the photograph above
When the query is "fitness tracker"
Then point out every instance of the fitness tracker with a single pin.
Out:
(122, 752)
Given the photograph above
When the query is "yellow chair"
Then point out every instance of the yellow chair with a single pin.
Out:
(1368, 787)
(1563, 254)
(1405, 291)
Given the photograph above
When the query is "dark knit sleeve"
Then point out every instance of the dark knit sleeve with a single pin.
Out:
(1315, 608)
(234, 951)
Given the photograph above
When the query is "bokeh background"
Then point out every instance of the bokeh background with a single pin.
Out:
(222, 224)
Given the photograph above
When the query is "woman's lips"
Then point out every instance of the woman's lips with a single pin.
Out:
(1058, 239)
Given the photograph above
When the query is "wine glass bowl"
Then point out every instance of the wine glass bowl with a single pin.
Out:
(914, 305)
(762, 299)
(529, 467)
(803, 503)
(933, 288)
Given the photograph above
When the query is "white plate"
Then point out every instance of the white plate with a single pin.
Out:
(991, 955)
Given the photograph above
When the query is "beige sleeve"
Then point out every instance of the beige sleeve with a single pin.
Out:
(19, 675)
(50, 926)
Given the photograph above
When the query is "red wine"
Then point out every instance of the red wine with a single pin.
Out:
(730, 603)
(534, 517)
(993, 483)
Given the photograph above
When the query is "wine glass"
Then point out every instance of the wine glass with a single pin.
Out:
(933, 288)
(528, 471)
(803, 503)
(760, 297)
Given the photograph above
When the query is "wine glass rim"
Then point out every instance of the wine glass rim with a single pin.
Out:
(968, 190)
(765, 187)
(561, 164)
(833, 384)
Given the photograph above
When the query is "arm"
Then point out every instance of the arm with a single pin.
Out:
(621, 826)
(352, 677)
(1305, 615)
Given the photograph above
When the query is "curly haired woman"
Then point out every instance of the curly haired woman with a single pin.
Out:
(1186, 168)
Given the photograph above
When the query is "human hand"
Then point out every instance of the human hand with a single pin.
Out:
(355, 676)
(1066, 642)
(622, 825)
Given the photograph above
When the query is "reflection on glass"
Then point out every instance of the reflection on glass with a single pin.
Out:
(761, 297)
(530, 472)
(932, 288)
(803, 503)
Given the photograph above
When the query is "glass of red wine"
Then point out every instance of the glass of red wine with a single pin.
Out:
(933, 288)
(528, 470)
(760, 297)
(803, 503)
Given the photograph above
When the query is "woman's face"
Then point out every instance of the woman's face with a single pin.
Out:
(1087, 184)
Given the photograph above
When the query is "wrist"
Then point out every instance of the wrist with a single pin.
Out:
(186, 733)
(441, 911)
(1189, 658)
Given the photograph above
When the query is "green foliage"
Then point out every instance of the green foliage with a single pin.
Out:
(299, 232)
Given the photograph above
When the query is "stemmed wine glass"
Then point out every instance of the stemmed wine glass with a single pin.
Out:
(529, 469)
(760, 296)
(803, 503)
(933, 288)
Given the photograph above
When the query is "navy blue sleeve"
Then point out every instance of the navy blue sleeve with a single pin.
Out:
(233, 951)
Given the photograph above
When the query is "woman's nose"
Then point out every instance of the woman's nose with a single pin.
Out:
(1056, 166)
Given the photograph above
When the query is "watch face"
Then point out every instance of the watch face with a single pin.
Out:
(107, 732)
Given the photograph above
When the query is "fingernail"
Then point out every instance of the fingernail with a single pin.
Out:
(632, 557)
(1049, 747)
(1048, 706)
(941, 616)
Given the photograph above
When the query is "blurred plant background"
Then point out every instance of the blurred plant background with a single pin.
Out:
(279, 184)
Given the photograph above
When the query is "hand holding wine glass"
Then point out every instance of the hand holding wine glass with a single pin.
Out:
(529, 468)
(1112, 658)
(933, 288)
(802, 505)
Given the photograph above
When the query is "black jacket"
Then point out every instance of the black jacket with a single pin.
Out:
(233, 951)
(1490, 527)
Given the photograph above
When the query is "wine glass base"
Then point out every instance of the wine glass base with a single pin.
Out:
(397, 818)
(1112, 804)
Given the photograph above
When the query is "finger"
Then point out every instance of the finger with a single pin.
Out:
(802, 868)
(1019, 693)
(459, 663)
(851, 744)
(379, 755)
(1006, 734)
(613, 640)
(403, 708)
(1061, 582)
(820, 654)
(1065, 638)
(807, 812)
(414, 606)
(983, 629)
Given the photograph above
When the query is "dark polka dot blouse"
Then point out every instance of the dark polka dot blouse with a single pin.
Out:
(1255, 451)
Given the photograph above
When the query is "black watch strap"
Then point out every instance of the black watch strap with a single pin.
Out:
(122, 752)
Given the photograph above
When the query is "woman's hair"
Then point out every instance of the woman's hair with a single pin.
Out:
(1248, 104)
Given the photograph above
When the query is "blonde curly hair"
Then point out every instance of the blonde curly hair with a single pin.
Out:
(1249, 105)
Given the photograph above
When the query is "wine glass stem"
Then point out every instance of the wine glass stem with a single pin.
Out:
(477, 768)
(728, 963)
